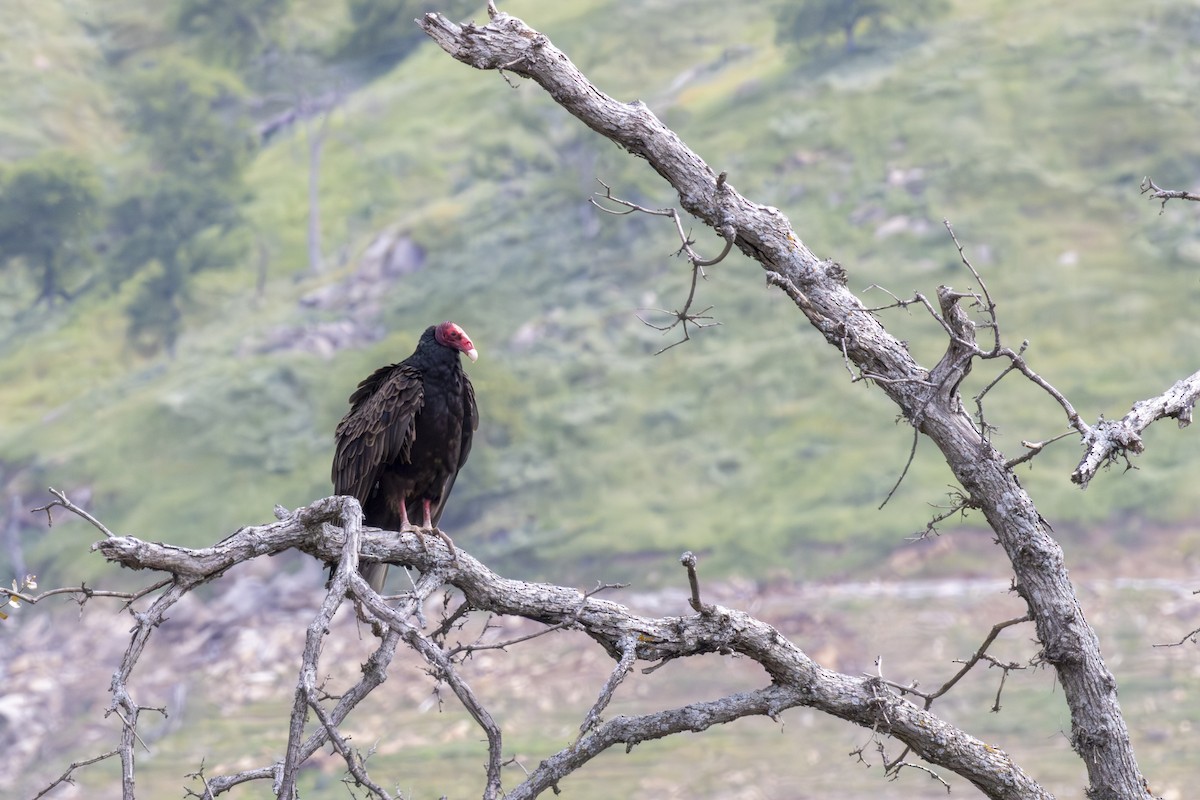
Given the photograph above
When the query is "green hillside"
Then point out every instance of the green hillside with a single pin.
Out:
(1028, 126)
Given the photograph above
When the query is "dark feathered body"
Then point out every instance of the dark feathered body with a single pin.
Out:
(406, 436)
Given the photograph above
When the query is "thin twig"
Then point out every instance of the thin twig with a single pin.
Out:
(66, 776)
(628, 647)
(132, 726)
(895, 768)
(1019, 362)
(1191, 637)
(979, 655)
(475, 648)
(1004, 670)
(897, 304)
(1035, 448)
(688, 560)
(987, 304)
(63, 502)
(198, 775)
(912, 452)
(673, 214)
(683, 316)
(929, 697)
(82, 590)
(959, 507)
(450, 621)
(354, 761)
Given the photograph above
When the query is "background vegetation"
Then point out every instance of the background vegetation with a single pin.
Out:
(179, 390)
(191, 371)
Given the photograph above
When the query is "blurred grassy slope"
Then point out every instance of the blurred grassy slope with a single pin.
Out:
(1028, 127)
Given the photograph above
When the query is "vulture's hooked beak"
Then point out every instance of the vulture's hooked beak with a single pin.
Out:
(472, 354)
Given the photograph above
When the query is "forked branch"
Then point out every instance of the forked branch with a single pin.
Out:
(683, 316)
(1113, 439)
(1149, 188)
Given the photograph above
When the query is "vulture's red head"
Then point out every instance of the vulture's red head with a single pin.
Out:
(450, 335)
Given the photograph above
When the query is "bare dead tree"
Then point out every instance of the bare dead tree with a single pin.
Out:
(928, 398)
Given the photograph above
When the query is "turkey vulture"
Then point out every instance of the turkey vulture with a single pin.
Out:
(406, 436)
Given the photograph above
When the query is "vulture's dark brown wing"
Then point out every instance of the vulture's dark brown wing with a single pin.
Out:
(378, 430)
(470, 425)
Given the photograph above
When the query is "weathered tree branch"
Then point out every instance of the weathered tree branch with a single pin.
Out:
(68, 775)
(306, 687)
(1099, 733)
(61, 501)
(1149, 187)
(326, 530)
(1109, 440)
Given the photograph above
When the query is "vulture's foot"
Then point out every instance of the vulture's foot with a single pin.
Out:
(435, 531)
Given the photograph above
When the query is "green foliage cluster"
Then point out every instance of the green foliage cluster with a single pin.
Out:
(48, 215)
(815, 21)
(176, 208)
(232, 31)
(182, 211)
(171, 210)
(1023, 124)
(382, 33)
